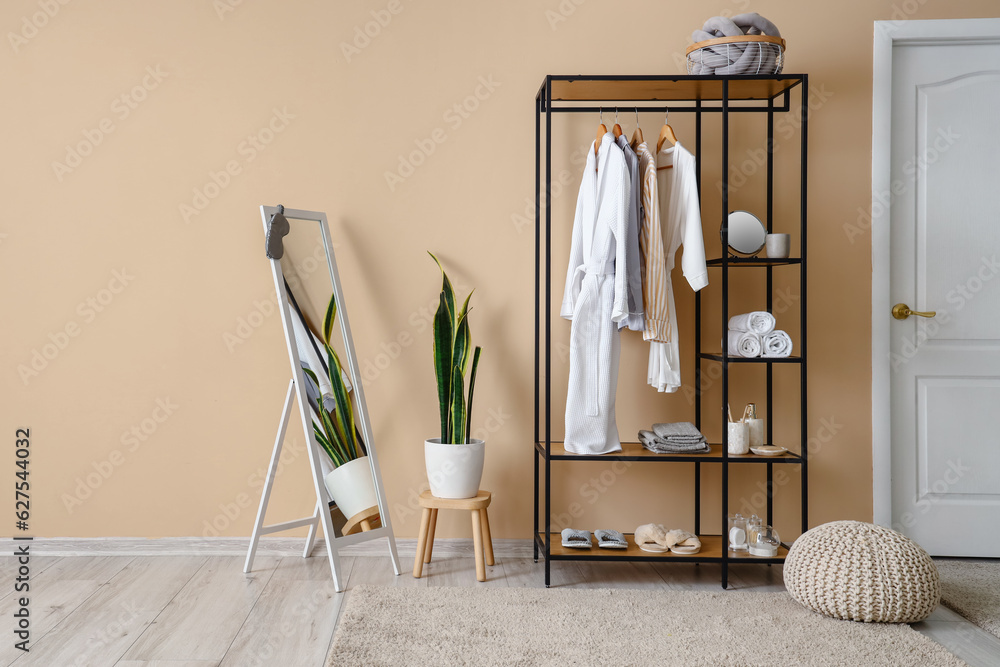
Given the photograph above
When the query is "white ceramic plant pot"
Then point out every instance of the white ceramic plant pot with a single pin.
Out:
(351, 486)
(454, 471)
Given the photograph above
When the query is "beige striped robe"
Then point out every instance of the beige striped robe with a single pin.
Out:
(680, 213)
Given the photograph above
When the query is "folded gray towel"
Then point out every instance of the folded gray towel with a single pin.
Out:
(701, 449)
(649, 438)
(662, 446)
(669, 449)
(677, 429)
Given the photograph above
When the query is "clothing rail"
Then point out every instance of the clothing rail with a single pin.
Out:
(765, 95)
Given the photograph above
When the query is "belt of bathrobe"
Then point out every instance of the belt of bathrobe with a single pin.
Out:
(606, 269)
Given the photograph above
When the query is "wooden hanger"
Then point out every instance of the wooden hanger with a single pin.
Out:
(637, 135)
(617, 129)
(602, 129)
(666, 134)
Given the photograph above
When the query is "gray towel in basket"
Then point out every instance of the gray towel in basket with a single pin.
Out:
(736, 57)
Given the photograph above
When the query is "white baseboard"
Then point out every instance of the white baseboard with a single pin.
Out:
(268, 546)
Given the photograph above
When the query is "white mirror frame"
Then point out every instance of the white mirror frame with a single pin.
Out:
(298, 384)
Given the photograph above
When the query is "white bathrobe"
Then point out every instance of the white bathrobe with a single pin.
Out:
(308, 343)
(596, 300)
(680, 215)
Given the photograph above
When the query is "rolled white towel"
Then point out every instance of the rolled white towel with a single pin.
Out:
(776, 344)
(744, 344)
(760, 322)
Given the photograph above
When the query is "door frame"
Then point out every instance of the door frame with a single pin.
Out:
(889, 34)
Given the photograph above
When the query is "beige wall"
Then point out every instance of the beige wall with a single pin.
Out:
(172, 289)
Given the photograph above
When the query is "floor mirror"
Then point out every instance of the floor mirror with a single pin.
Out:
(326, 384)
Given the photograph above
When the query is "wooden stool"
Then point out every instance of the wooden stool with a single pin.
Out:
(363, 521)
(480, 529)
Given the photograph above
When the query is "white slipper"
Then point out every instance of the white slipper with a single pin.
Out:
(652, 532)
(576, 539)
(682, 542)
(610, 539)
(685, 550)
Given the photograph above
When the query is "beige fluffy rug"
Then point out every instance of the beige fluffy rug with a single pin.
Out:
(482, 626)
(973, 590)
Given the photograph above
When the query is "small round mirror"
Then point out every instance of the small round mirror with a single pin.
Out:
(746, 233)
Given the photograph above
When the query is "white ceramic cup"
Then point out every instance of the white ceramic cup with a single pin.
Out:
(778, 245)
(739, 438)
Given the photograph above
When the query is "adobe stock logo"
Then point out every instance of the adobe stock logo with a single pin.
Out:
(30, 25)
(365, 34)
(132, 440)
(253, 145)
(454, 116)
(59, 340)
(121, 108)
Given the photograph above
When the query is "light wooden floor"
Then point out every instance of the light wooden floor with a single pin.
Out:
(186, 611)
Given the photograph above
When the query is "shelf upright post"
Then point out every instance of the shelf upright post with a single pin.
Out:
(725, 343)
(697, 329)
(538, 251)
(770, 305)
(548, 327)
(804, 111)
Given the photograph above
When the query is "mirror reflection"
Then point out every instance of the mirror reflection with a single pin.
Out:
(747, 233)
(315, 323)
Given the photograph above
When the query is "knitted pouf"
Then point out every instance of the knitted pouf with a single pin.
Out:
(861, 572)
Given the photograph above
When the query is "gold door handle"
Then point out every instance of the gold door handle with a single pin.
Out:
(901, 311)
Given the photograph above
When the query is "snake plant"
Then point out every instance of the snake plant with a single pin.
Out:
(335, 432)
(452, 351)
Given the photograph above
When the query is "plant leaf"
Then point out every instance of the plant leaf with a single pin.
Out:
(443, 349)
(312, 376)
(344, 417)
(463, 347)
(465, 306)
(472, 388)
(457, 406)
(335, 439)
(447, 289)
(327, 447)
(331, 315)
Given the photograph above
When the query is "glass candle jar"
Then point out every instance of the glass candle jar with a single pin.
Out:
(737, 533)
(766, 543)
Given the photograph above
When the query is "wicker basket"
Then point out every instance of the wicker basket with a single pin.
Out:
(734, 56)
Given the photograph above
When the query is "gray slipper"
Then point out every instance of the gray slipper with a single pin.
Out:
(610, 539)
(576, 539)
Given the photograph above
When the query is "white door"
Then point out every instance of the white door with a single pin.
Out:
(944, 242)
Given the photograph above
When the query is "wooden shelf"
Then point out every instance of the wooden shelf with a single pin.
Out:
(679, 88)
(711, 550)
(634, 451)
(754, 261)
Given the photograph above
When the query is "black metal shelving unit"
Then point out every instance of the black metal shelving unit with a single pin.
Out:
(699, 95)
